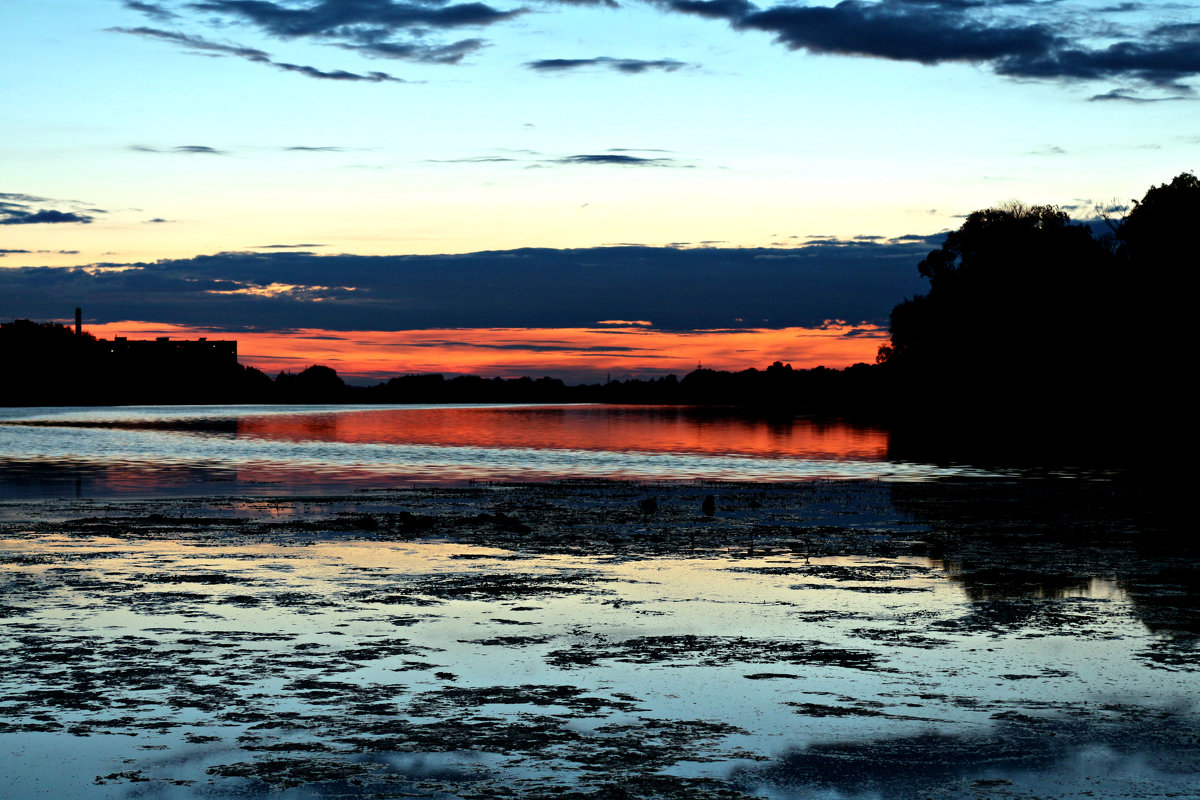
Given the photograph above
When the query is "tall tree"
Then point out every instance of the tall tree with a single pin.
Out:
(1015, 298)
(1028, 311)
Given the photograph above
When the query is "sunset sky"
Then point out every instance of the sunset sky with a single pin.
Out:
(576, 188)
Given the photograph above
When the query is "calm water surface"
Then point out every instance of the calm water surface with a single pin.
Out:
(47, 452)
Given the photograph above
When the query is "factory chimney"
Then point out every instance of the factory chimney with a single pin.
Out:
(78, 321)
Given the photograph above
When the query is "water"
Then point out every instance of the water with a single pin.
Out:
(895, 635)
(884, 645)
(147, 450)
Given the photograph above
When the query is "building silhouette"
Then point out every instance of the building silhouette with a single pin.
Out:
(51, 364)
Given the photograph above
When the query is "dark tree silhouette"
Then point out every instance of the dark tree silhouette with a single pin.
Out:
(1159, 255)
(1160, 230)
(315, 384)
(1029, 314)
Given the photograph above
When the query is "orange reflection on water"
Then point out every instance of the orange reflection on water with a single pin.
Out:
(609, 428)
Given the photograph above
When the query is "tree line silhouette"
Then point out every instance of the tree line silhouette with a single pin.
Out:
(1028, 316)
(1028, 312)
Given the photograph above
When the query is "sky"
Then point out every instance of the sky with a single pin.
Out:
(578, 188)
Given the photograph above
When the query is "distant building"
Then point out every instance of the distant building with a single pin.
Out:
(165, 351)
(53, 364)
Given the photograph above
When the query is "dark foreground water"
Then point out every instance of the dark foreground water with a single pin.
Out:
(302, 603)
(81, 452)
(848, 640)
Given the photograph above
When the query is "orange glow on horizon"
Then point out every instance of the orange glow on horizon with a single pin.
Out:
(574, 354)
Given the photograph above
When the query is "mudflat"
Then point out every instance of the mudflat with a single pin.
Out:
(831, 639)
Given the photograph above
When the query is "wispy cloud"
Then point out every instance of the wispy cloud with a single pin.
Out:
(618, 159)
(1125, 96)
(338, 74)
(195, 43)
(451, 53)
(17, 208)
(199, 43)
(613, 157)
(628, 66)
(358, 20)
(183, 149)
(373, 28)
(153, 10)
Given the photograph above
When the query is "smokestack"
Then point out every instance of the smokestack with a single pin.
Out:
(78, 321)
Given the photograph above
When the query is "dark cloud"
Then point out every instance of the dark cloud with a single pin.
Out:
(629, 66)
(885, 30)
(451, 53)
(931, 239)
(152, 10)
(48, 215)
(927, 241)
(185, 149)
(470, 160)
(605, 3)
(1168, 55)
(360, 19)
(303, 149)
(1020, 39)
(712, 9)
(284, 246)
(1189, 31)
(55, 252)
(617, 159)
(373, 28)
(1024, 43)
(677, 289)
(337, 74)
(1125, 96)
(615, 156)
(17, 208)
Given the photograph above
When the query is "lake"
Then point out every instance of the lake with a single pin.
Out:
(80, 452)
(849, 639)
(585, 602)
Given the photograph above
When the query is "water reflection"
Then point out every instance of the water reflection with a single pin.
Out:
(35, 478)
(611, 428)
(906, 654)
(1023, 757)
(86, 452)
(1023, 552)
